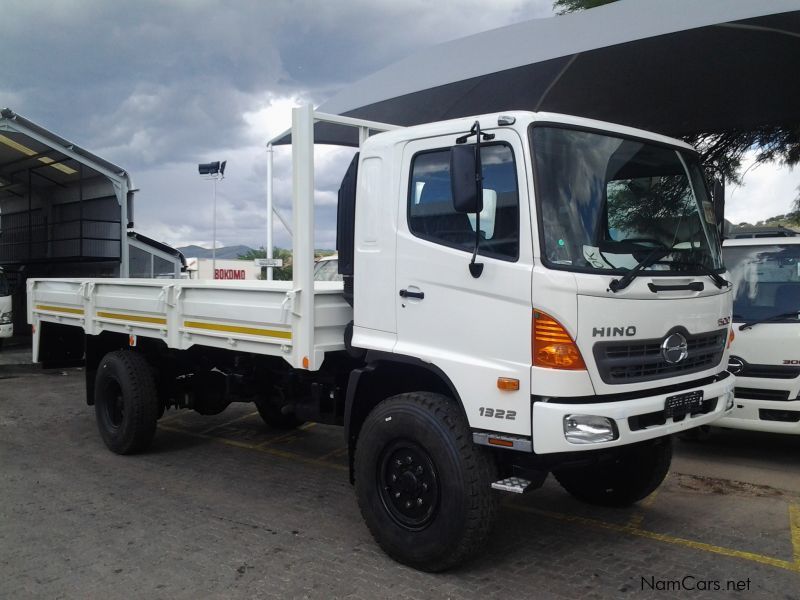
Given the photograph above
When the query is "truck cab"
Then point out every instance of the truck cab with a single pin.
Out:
(765, 356)
(569, 208)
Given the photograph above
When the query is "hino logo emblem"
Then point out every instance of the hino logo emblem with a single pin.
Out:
(674, 348)
(735, 365)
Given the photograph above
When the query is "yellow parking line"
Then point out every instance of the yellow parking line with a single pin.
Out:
(638, 516)
(257, 448)
(226, 423)
(169, 418)
(333, 453)
(663, 537)
(794, 527)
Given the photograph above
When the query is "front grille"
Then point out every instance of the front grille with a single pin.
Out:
(759, 394)
(769, 371)
(631, 362)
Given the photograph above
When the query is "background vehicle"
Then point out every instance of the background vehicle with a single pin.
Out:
(482, 337)
(6, 322)
(765, 356)
(327, 269)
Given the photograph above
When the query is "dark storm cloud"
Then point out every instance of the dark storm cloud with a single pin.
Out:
(158, 86)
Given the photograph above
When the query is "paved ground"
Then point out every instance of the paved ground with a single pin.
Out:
(224, 507)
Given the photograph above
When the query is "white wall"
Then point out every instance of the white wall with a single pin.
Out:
(201, 268)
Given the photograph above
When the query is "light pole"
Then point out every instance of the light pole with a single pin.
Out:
(216, 172)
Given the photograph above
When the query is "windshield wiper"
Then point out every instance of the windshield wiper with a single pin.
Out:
(624, 281)
(779, 317)
(718, 279)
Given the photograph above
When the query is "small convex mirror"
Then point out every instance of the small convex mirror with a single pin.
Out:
(465, 179)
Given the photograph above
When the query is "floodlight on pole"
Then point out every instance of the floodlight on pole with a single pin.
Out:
(216, 172)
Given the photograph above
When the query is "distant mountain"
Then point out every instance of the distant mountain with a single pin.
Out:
(227, 252)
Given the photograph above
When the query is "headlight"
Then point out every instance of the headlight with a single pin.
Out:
(589, 429)
(5, 318)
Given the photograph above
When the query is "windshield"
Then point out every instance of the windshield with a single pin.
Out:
(3, 285)
(606, 203)
(766, 281)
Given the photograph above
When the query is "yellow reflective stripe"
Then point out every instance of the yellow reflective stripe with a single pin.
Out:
(64, 309)
(136, 318)
(286, 335)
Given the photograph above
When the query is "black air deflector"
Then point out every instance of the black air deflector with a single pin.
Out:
(346, 225)
(346, 218)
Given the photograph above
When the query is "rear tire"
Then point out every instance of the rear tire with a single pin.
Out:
(630, 477)
(125, 402)
(423, 487)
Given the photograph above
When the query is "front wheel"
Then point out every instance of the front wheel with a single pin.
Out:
(423, 487)
(125, 402)
(632, 475)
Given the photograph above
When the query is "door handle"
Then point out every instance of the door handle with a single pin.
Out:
(407, 294)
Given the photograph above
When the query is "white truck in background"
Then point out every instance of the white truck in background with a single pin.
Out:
(6, 320)
(765, 356)
(524, 294)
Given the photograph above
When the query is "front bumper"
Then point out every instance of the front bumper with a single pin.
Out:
(631, 418)
(748, 414)
(6, 331)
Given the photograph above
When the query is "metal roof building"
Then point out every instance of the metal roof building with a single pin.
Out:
(65, 212)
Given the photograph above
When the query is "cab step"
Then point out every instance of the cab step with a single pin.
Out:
(515, 485)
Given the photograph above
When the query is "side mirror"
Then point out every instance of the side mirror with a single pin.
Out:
(465, 179)
(719, 199)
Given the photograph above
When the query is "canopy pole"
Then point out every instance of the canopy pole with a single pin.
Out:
(303, 351)
(270, 153)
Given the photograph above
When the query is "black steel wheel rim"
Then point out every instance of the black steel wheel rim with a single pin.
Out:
(408, 483)
(114, 405)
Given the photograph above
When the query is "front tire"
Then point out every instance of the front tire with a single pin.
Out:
(423, 487)
(125, 402)
(631, 476)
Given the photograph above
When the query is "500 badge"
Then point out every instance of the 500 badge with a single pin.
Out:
(498, 413)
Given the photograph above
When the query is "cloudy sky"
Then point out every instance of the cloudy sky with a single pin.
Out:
(157, 87)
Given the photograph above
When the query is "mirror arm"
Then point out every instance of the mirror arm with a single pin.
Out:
(476, 268)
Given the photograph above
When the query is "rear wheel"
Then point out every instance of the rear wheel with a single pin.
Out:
(125, 402)
(634, 474)
(423, 487)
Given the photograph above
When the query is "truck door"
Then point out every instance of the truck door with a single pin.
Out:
(474, 329)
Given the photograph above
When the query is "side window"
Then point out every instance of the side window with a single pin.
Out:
(430, 203)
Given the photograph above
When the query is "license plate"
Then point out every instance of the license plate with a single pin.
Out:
(683, 404)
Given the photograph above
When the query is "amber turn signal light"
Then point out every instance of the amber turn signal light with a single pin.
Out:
(553, 347)
(731, 337)
(507, 384)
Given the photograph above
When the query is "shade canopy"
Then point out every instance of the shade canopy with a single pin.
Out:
(673, 66)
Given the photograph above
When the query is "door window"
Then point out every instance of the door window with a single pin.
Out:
(431, 215)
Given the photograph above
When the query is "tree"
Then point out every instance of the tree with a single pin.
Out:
(562, 7)
(724, 151)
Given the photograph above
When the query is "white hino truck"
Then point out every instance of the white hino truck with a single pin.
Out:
(765, 357)
(523, 294)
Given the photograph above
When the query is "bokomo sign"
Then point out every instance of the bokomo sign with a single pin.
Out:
(229, 274)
